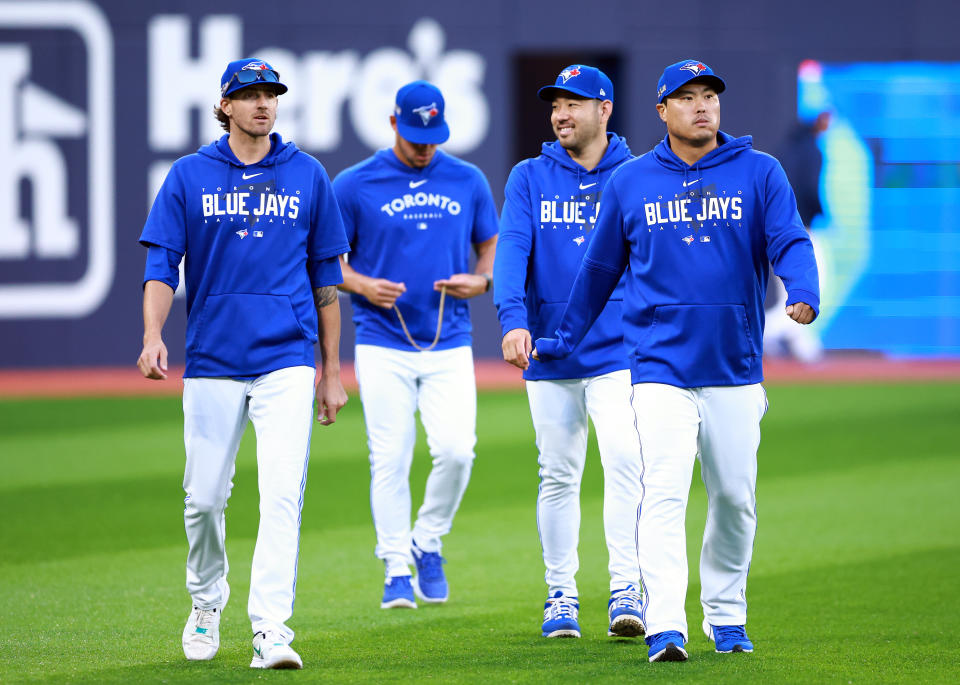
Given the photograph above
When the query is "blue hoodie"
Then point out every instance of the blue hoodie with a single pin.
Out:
(414, 226)
(258, 238)
(550, 207)
(695, 242)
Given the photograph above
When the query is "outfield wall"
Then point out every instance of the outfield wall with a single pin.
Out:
(105, 95)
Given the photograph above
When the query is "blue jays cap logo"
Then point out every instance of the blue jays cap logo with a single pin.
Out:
(694, 68)
(569, 73)
(256, 66)
(427, 112)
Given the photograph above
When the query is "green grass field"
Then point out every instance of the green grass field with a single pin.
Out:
(854, 578)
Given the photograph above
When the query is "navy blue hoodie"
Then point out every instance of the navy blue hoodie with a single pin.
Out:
(258, 238)
(695, 242)
(550, 207)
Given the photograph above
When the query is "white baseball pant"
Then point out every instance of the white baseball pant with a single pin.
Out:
(394, 384)
(215, 411)
(721, 425)
(560, 409)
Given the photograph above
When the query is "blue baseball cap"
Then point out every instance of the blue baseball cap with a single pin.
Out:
(419, 111)
(684, 72)
(587, 82)
(249, 71)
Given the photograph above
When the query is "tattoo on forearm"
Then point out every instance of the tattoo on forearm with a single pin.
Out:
(324, 296)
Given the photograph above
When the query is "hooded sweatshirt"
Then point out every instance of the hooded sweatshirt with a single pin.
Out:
(414, 226)
(549, 211)
(258, 238)
(695, 242)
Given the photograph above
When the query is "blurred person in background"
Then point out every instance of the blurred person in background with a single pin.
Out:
(802, 161)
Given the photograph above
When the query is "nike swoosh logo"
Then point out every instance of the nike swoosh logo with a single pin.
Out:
(245, 177)
(584, 187)
(417, 184)
(685, 183)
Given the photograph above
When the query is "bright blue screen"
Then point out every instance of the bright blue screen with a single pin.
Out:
(888, 240)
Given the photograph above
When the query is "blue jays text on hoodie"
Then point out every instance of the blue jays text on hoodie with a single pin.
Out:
(695, 242)
(549, 210)
(413, 226)
(257, 238)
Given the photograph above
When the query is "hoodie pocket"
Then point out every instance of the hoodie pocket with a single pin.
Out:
(245, 328)
(701, 341)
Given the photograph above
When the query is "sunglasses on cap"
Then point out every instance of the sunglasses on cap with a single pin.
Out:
(247, 76)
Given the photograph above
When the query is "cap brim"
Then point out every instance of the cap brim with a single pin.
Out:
(548, 93)
(278, 87)
(714, 82)
(433, 135)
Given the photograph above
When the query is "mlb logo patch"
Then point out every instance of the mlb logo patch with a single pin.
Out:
(704, 239)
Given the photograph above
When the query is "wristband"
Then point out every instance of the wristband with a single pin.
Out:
(489, 281)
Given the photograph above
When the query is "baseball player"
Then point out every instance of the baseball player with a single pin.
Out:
(411, 213)
(549, 210)
(260, 229)
(694, 223)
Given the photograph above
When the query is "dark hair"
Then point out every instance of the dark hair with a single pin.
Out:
(222, 118)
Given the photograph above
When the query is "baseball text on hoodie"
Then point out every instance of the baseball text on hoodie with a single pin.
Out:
(549, 211)
(695, 242)
(258, 239)
(413, 226)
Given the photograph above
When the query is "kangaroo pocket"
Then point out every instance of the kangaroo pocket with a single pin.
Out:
(246, 331)
(702, 344)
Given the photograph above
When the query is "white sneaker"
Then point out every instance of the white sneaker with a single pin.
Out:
(201, 635)
(270, 651)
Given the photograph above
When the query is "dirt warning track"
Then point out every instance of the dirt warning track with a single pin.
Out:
(491, 374)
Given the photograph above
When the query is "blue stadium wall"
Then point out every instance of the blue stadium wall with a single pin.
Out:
(105, 95)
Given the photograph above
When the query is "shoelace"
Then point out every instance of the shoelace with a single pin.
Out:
(729, 633)
(204, 620)
(626, 599)
(560, 608)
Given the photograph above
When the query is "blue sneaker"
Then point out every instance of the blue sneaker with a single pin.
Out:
(666, 646)
(398, 594)
(624, 612)
(430, 584)
(560, 616)
(728, 638)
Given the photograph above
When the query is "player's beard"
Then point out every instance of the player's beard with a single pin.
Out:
(253, 128)
(583, 134)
